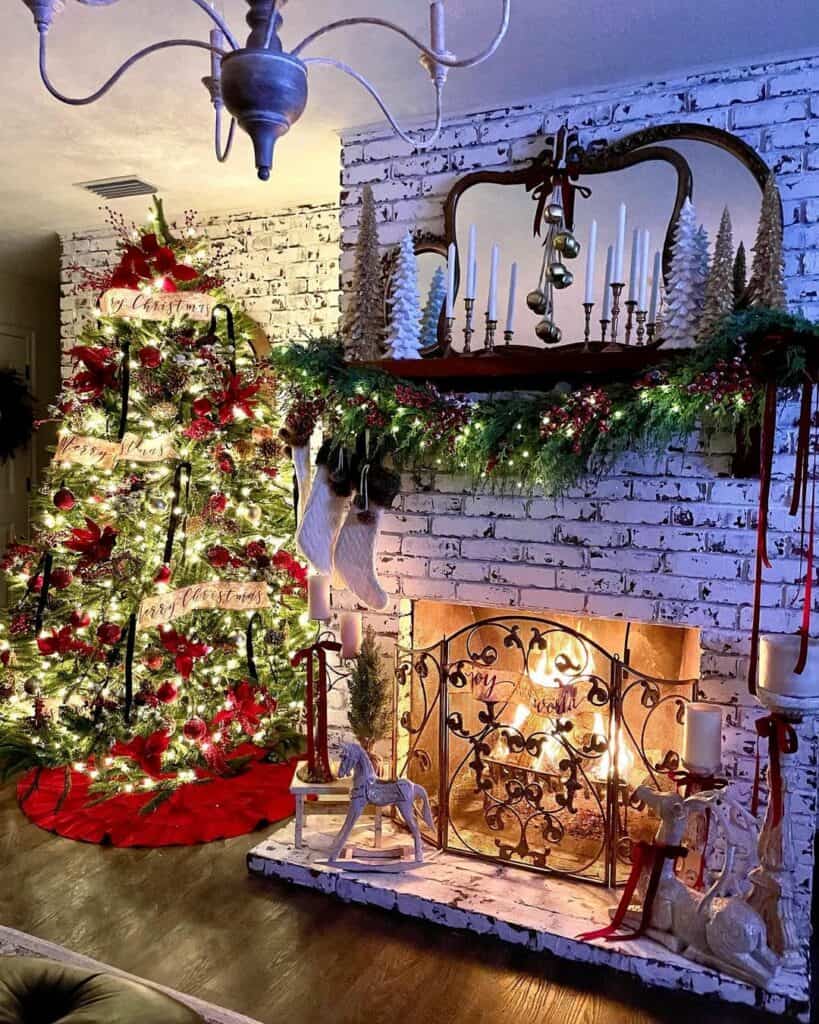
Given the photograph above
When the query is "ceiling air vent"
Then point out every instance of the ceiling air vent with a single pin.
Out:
(118, 188)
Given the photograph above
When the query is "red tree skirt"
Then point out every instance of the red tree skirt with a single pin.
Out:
(220, 808)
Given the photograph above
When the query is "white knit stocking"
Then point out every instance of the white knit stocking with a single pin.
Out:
(355, 556)
(322, 520)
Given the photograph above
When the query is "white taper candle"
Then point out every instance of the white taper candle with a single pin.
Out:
(492, 304)
(591, 256)
(450, 281)
(472, 262)
(513, 294)
(634, 272)
(655, 289)
(645, 242)
(620, 246)
(606, 314)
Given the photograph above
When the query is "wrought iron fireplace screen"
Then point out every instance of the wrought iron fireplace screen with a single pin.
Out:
(531, 738)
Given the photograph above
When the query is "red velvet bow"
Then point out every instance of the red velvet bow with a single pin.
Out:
(100, 370)
(245, 707)
(146, 751)
(92, 542)
(234, 396)
(782, 739)
(62, 641)
(185, 651)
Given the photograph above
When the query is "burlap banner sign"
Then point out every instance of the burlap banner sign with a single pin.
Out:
(237, 597)
(137, 305)
(91, 451)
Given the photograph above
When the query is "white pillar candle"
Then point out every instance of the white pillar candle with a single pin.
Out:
(591, 256)
(644, 247)
(351, 629)
(492, 304)
(318, 598)
(636, 263)
(655, 289)
(450, 281)
(513, 292)
(777, 660)
(702, 747)
(472, 262)
(606, 315)
(620, 246)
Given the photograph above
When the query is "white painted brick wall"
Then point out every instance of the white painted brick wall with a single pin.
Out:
(283, 268)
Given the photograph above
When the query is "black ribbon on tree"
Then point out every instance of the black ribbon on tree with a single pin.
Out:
(231, 331)
(48, 562)
(125, 388)
(252, 670)
(130, 644)
(179, 507)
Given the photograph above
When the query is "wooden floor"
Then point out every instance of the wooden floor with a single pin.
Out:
(192, 919)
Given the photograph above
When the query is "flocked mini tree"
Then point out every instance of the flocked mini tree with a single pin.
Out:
(686, 284)
(719, 289)
(432, 310)
(404, 332)
(767, 273)
(363, 325)
(155, 610)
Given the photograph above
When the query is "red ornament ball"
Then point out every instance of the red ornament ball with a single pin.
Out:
(218, 557)
(163, 574)
(167, 693)
(80, 619)
(195, 729)
(64, 500)
(202, 406)
(150, 357)
(154, 661)
(109, 633)
(61, 578)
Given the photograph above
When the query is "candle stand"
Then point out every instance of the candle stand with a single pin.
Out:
(489, 340)
(616, 291)
(631, 306)
(587, 311)
(469, 306)
(773, 883)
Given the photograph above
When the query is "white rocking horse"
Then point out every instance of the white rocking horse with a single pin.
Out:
(368, 789)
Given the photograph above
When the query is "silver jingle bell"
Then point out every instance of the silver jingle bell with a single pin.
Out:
(560, 275)
(536, 301)
(553, 213)
(548, 332)
(567, 245)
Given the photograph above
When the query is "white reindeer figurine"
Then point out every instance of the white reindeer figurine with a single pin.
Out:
(368, 789)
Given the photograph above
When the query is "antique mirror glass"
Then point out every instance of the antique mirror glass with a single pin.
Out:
(505, 214)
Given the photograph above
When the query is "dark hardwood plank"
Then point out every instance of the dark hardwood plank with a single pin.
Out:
(192, 919)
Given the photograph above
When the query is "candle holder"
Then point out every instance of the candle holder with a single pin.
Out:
(587, 309)
(450, 324)
(469, 330)
(651, 330)
(489, 339)
(616, 291)
(507, 337)
(641, 326)
(631, 306)
(604, 327)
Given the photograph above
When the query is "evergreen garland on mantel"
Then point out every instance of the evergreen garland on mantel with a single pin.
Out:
(551, 440)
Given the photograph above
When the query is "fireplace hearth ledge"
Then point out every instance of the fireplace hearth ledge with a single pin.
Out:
(544, 914)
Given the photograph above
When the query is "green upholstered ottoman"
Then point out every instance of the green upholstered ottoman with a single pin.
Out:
(37, 991)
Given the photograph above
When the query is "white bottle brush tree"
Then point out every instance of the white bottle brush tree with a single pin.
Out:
(363, 326)
(432, 310)
(404, 333)
(719, 291)
(686, 285)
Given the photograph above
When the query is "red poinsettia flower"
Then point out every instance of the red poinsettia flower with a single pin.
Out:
(100, 370)
(147, 751)
(92, 542)
(80, 619)
(185, 651)
(285, 562)
(62, 641)
(200, 429)
(149, 261)
(218, 556)
(246, 704)
(216, 504)
(202, 406)
(234, 398)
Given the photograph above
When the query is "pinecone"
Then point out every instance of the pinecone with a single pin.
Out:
(164, 411)
(149, 383)
(176, 377)
(195, 525)
(271, 449)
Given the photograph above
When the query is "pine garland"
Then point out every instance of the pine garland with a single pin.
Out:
(552, 440)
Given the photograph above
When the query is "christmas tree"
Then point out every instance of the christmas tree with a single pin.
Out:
(370, 701)
(404, 333)
(155, 610)
(686, 284)
(363, 326)
(719, 289)
(767, 273)
(432, 310)
(740, 276)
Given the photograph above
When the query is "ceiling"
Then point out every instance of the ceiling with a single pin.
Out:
(156, 123)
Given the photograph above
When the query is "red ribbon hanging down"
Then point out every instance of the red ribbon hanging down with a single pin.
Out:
(644, 857)
(689, 785)
(782, 739)
(765, 470)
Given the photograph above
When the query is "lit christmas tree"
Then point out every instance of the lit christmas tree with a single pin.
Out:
(404, 332)
(719, 289)
(432, 310)
(155, 611)
(686, 284)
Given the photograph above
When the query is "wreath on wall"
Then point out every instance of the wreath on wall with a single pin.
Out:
(16, 414)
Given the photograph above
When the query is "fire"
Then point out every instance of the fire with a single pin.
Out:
(623, 757)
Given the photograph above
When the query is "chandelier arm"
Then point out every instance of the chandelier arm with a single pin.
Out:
(215, 16)
(81, 101)
(222, 155)
(445, 60)
(271, 24)
(416, 143)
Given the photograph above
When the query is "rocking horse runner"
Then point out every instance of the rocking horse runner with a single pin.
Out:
(368, 789)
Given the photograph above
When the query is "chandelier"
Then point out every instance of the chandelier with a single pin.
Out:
(264, 88)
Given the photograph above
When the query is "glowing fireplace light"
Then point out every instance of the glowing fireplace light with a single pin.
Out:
(623, 757)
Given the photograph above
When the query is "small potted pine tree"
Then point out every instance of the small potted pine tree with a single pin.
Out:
(370, 698)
